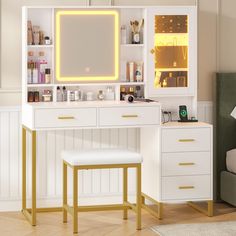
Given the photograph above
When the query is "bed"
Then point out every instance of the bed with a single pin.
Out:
(225, 135)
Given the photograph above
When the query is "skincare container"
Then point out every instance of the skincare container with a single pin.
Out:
(47, 76)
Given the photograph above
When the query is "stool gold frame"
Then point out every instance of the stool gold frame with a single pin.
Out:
(73, 210)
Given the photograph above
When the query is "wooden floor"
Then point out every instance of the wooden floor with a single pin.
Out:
(107, 223)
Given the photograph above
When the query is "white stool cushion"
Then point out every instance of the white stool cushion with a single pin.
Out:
(100, 157)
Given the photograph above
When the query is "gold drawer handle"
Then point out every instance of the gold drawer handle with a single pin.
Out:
(65, 117)
(186, 140)
(186, 187)
(186, 163)
(129, 116)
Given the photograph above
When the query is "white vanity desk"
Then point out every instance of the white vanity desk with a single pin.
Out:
(78, 115)
(177, 157)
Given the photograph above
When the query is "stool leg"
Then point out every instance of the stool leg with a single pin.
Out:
(64, 192)
(138, 198)
(75, 200)
(125, 194)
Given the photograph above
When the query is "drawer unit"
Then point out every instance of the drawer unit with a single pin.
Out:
(186, 163)
(186, 187)
(186, 139)
(61, 118)
(129, 116)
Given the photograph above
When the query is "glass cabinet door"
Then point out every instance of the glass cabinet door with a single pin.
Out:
(170, 55)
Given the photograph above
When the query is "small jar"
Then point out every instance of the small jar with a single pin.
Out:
(47, 40)
(100, 95)
(135, 38)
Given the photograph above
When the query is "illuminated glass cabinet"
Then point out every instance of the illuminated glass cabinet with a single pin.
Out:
(171, 51)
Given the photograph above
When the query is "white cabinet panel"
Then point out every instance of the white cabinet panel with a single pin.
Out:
(59, 118)
(186, 163)
(129, 116)
(186, 187)
(186, 140)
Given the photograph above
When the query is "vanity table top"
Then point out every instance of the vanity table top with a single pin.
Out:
(185, 125)
(87, 104)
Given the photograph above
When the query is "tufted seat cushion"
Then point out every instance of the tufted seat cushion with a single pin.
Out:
(100, 157)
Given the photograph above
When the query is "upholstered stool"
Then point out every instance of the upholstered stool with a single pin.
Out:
(101, 159)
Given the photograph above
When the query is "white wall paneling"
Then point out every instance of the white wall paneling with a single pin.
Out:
(95, 186)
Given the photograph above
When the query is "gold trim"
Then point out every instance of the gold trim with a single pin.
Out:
(23, 168)
(186, 163)
(129, 116)
(34, 144)
(186, 187)
(186, 140)
(138, 197)
(152, 51)
(65, 117)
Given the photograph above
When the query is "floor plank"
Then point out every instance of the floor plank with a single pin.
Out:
(107, 223)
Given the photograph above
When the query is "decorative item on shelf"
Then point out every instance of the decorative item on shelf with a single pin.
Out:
(30, 67)
(47, 76)
(131, 91)
(110, 94)
(130, 71)
(47, 95)
(30, 96)
(41, 37)
(47, 40)
(100, 95)
(122, 93)
(36, 38)
(123, 71)
(29, 33)
(36, 96)
(138, 92)
(139, 71)
(181, 81)
(41, 65)
(123, 34)
(59, 95)
(171, 81)
(89, 96)
(64, 94)
(135, 31)
(129, 98)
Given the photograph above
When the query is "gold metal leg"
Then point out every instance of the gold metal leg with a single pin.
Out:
(138, 198)
(75, 200)
(64, 192)
(33, 212)
(23, 169)
(210, 208)
(160, 210)
(125, 192)
(208, 212)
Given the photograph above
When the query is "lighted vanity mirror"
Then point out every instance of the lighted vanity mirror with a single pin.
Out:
(87, 45)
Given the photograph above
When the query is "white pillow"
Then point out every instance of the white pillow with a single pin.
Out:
(231, 161)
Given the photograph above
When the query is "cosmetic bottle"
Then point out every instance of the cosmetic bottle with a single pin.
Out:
(110, 94)
(122, 93)
(42, 64)
(64, 94)
(139, 72)
(35, 74)
(59, 94)
(30, 67)
(47, 76)
(123, 34)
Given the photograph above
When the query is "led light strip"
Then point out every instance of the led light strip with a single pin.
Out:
(116, 36)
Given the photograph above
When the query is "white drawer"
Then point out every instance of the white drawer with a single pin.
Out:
(131, 116)
(186, 140)
(186, 163)
(186, 187)
(60, 118)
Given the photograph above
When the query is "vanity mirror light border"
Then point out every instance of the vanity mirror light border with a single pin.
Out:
(84, 12)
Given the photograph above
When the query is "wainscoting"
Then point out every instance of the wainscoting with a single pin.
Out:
(94, 185)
